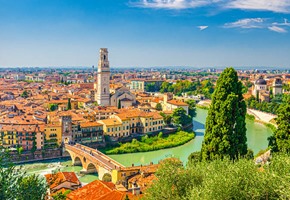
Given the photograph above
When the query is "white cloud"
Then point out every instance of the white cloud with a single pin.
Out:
(250, 23)
(201, 28)
(277, 29)
(174, 4)
(285, 23)
(280, 6)
(246, 23)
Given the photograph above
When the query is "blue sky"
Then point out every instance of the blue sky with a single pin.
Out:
(199, 33)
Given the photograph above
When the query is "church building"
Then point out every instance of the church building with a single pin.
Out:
(121, 97)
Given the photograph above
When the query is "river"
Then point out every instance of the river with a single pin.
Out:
(257, 135)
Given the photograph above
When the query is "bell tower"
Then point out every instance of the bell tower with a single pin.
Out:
(103, 86)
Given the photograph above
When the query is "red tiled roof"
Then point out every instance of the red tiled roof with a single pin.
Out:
(54, 180)
(97, 190)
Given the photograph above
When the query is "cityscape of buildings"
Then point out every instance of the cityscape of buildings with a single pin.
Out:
(43, 110)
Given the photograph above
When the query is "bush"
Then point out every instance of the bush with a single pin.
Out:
(250, 117)
(152, 143)
(222, 179)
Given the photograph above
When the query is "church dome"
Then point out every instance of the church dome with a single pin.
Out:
(261, 81)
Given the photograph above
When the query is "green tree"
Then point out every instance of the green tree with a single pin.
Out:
(194, 158)
(280, 141)
(68, 104)
(158, 107)
(15, 184)
(19, 151)
(119, 104)
(241, 179)
(10, 177)
(191, 107)
(166, 118)
(179, 116)
(32, 187)
(172, 181)
(52, 107)
(24, 94)
(225, 129)
(61, 195)
(151, 87)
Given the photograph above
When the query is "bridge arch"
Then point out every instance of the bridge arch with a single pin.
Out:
(91, 168)
(91, 160)
(77, 161)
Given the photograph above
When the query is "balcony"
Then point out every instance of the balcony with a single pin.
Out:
(53, 135)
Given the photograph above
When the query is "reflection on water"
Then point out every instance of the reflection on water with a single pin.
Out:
(257, 135)
(49, 167)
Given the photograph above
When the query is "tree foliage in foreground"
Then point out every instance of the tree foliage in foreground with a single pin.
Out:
(280, 141)
(225, 128)
(221, 179)
(15, 184)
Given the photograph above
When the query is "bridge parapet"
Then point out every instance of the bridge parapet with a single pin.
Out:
(93, 156)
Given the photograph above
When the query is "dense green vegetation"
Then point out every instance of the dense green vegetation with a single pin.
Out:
(52, 107)
(280, 141)
(205, 87)
(225, 128)
(179, 117)
(24, 94)
(153, 143)
(269, 107)
(158, 106)
(15, 184)
(61, 196)
(221, 179)
(152, 87)
(250, 117)
(191, 107)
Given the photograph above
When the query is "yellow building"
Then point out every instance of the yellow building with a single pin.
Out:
(140, 121)
(123, 175)
(8, 136)
(53, 134)
(114, 127)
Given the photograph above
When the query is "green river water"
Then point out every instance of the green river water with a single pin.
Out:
(257, 135)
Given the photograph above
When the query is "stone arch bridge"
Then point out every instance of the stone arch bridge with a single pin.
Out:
(92, 160)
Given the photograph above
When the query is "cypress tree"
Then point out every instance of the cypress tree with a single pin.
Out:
(225, 128)
(68, 104)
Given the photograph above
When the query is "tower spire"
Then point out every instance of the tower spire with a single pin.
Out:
(103, 87)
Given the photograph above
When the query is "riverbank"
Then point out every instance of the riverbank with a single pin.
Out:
(270, 125)
(152, 143)
(264, 118)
